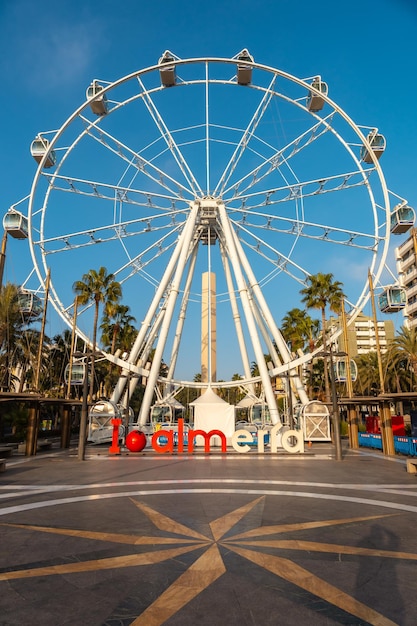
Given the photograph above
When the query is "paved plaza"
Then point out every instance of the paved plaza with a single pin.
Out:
(248, 540)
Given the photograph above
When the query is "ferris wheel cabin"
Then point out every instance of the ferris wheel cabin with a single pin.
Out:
(30, 304)
(167, 72)
(315, 102)
(392, 300)
(166, 412)
(341, 370)
(244, 71)
(377, 143)
(100, 427)
(39, 148)
(98, 102)
(15, 224)
(77, 373)
(402, 219)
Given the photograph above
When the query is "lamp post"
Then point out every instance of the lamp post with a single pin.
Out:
(287, 376)
(84, 411)
(335, 407)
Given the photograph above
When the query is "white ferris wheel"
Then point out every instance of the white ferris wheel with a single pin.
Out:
(208, 165)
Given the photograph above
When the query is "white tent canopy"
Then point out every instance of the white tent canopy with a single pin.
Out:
(247, 402)
(213, 413)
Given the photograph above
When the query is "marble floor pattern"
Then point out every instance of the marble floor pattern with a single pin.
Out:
(207, 539)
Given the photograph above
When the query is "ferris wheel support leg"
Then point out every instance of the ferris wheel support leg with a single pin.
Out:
(272, 351)
(281, 345)
(236, 318)
(184, 244)
(243, 292)
(266, 336)
(182, 314)
(146, 324)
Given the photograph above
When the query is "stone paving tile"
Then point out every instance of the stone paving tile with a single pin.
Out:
(207, 539)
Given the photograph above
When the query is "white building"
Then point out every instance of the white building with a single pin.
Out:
(405, 256)
(362, 335)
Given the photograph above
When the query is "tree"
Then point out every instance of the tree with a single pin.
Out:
(320, 292)
(97, 287)
(11, 326)
(302, 332)
(116, 317)
(368, 373)
(115, 321)
(403, 349)
(57, 358)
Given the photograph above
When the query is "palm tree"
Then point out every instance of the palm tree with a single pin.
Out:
(24, 357)
(114, 323)
(10, 316)
(19, 344)
(116, 317)
(322, 291)
(12, 326)
(98, 287)
(403, 349)
(368, 373)
(58, 353)
(300, 330)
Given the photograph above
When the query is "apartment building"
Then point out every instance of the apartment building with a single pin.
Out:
(405, 256)
(362, 335)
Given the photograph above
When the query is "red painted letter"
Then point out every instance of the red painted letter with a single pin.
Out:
(166, 447)
(207, 437)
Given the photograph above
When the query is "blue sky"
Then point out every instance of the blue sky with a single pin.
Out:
(366, 52)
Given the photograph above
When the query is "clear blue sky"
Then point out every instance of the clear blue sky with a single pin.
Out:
(49, 53)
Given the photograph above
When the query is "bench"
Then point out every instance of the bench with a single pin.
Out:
(2, 465)
(44, 445)
(6, 452)
(412, 466)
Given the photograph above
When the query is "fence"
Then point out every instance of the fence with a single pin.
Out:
(402, 445)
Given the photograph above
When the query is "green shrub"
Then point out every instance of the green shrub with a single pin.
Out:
(344, 430)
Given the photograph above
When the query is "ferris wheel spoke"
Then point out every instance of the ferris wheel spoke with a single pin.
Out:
(138, 161)
(106, 191)
(303, 189)
(107, 233)
(138, 263)
(246, 138)
(169, 140)
(282, 156)
(279, 261)
(309, 230)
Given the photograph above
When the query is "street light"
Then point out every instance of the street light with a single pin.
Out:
(335, 407)
(84, 408)
(288, 376)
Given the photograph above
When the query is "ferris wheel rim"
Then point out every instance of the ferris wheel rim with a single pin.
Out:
(64, 311)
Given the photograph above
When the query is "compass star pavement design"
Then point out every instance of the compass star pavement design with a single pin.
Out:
(265, 547)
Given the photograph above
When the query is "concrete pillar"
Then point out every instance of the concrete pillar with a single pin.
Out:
(208, 328)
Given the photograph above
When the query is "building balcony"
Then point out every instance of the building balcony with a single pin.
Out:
(404, 264)
(402, 249)
(411, 308)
